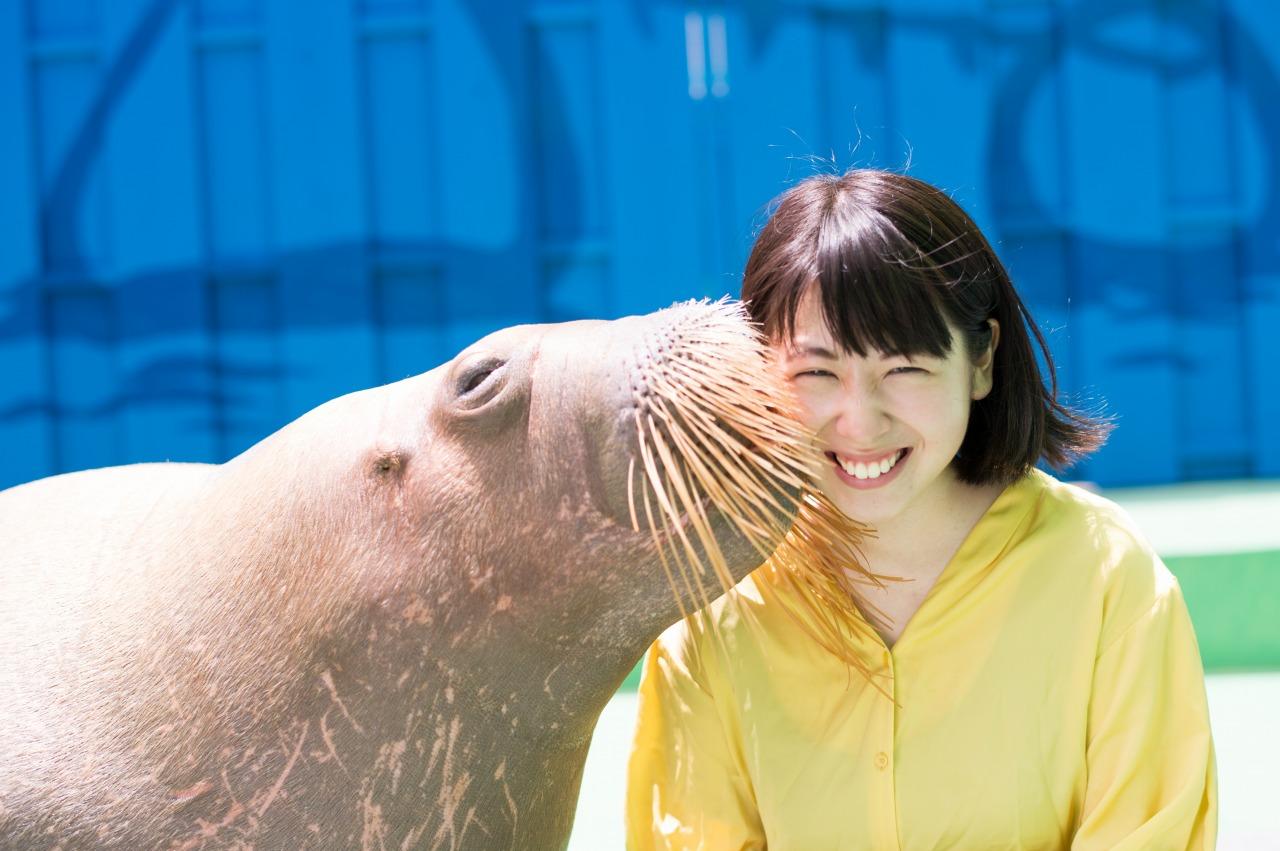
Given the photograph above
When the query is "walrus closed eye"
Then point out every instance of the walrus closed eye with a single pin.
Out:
(394, 622)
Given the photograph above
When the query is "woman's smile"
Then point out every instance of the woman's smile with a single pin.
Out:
(866, 474)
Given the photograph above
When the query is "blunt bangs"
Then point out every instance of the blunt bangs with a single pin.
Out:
(878, 289)
(875, 291)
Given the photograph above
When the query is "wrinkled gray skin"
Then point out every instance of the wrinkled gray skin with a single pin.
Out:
(392, 624)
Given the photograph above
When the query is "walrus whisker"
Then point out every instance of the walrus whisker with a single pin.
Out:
(791, 470)
(660, 547)
(681, 490)
(655, 480)
(745, 478)
(684, 441)
(712, 432)
(749, 522)
(662, 540)
(713, 429)
(735, 470)
(631, 493)
(686, 561)
(742, 417)
(687, 500)
(669, 516)
(753, 523)
(702, 527)
(752, 520)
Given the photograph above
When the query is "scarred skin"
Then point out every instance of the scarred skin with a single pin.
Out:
(392, 624)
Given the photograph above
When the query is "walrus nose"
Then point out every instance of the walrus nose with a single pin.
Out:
(704, 421)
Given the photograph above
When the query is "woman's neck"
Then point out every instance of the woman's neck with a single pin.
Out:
(916, 547)
(919, 542)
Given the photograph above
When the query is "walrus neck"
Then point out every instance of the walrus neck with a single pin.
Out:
(548, 690)
(464, 735)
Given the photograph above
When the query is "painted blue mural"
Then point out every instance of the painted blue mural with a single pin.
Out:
(218, 213)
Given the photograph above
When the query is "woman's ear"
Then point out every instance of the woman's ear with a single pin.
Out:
(984, 365)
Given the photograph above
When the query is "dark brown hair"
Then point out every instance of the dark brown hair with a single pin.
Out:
(897, 264)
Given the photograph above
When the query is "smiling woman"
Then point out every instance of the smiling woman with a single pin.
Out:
(1033, 633)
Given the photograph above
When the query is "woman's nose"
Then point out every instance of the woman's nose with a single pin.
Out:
(862, 419)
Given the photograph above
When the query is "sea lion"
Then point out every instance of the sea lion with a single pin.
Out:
(393, 623)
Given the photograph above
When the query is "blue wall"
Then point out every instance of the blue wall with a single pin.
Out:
(215, 214)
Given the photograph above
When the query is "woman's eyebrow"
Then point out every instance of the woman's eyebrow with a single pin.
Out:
(807, 350)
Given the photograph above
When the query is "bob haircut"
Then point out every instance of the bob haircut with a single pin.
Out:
(897, 266)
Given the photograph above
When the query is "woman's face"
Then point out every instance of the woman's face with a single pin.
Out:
(890, 425)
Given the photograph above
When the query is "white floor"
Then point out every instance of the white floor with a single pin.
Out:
(1245, 712)
(1246, 725)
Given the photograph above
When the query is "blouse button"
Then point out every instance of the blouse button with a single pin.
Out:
(882, 760)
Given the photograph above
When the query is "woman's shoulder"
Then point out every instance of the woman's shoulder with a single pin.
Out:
(1093, 534)
(1081, 514)
(737, 635)
(734, 611)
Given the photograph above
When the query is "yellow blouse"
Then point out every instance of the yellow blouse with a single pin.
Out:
(1049, 694)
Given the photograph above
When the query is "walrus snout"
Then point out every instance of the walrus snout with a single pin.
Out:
(703, 449)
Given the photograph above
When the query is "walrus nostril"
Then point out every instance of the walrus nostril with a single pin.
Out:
(389, 463)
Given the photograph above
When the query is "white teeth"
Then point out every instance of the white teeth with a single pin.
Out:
(874, 470)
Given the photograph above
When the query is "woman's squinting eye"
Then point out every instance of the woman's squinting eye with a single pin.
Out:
(906, 370)
(818, 373)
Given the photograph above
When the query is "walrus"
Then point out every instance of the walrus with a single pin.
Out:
(394, 622)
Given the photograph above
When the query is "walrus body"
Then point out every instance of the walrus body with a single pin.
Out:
(392, 624)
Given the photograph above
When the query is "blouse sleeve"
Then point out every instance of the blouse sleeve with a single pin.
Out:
(686, 784)
(1151, 778)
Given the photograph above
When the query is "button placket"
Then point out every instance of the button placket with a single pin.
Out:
(882, 762)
